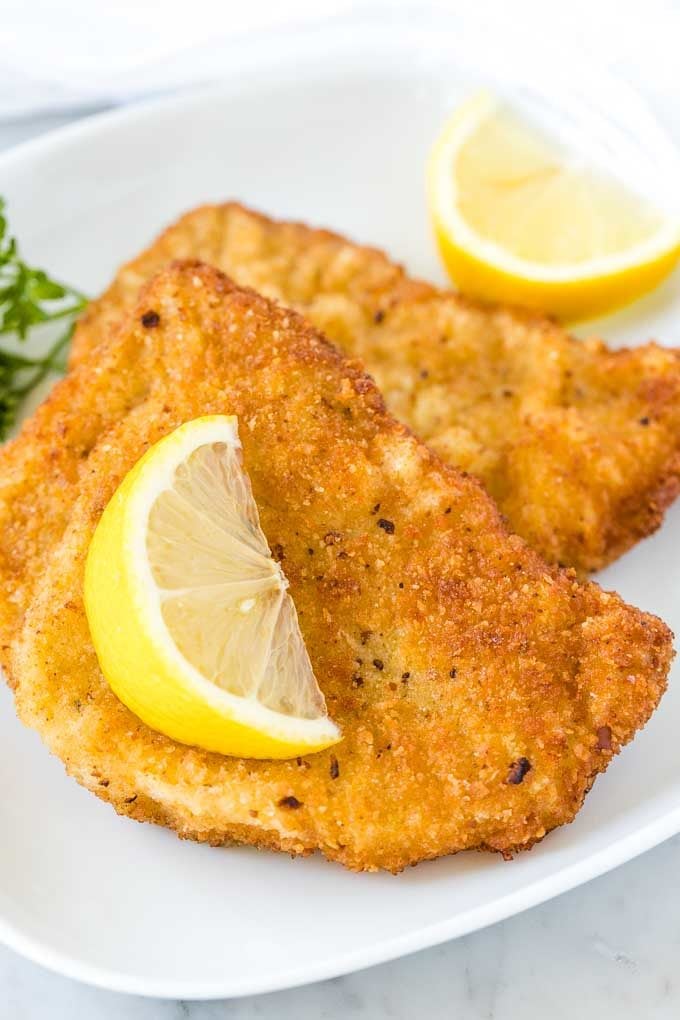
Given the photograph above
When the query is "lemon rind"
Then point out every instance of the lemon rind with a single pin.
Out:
(441, 182)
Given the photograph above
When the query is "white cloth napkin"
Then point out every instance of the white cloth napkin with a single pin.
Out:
(58, 55)
(66, 54)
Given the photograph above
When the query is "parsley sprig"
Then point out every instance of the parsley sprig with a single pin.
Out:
(29, 298)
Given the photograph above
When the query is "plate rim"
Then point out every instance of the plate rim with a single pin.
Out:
(541, 891)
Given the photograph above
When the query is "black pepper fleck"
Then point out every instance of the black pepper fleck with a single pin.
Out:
(375, 508)
(405, 676)
(387, 526)
(379, 664)
(644, 421)
(452, 674)
(518, 771)
(150, 320)
(290, 802)
(335, 768)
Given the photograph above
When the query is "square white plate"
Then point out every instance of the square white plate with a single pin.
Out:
(332, 128)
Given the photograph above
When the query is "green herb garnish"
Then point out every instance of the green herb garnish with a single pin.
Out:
(29, 298)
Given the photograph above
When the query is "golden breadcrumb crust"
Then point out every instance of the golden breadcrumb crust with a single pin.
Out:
(578, 444)
(479, 691)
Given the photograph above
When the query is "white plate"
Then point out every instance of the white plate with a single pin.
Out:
(333, 129)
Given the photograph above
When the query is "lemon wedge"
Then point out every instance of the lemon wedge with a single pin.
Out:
(189, 614)
(518, 221)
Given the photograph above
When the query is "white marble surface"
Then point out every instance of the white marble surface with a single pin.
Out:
(610, 948)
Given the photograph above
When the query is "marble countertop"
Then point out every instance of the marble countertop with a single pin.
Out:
(611, 947)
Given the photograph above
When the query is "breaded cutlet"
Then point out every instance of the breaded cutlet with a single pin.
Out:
(479, 690)
(578, 444)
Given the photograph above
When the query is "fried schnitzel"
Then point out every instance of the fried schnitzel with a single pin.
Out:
(479, 691)
(578, 444)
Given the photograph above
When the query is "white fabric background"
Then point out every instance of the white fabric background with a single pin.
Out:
(60, 55)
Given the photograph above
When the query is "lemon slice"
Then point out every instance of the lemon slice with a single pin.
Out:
(189, 613)
(518, 221)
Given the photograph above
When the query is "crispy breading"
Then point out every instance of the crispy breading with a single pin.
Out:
(578, 444)
(479, 691)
